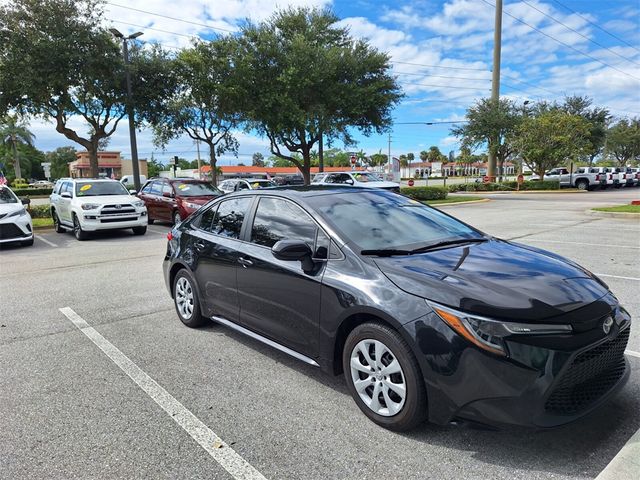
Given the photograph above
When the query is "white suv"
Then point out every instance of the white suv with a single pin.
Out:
(355, 178)
(86, 205)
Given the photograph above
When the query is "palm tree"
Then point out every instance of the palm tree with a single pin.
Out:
(12, 132)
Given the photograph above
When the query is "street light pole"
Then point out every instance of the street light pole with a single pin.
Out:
(495, 82)
(130, 113)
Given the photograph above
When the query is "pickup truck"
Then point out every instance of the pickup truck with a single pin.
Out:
(584, 178)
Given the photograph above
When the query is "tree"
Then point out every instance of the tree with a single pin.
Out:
(300, 75)
(550, 139)
(378, 159)
(14, 132)
(492, 124)
(623, 141)
(60, 159)
(598, 119)
(404, 161)
(435, 155)
(257, 160)
(154, 167)
(198, 105)
(424, 155)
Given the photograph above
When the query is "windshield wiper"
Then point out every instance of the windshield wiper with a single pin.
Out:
(447, 243)
(385, 252)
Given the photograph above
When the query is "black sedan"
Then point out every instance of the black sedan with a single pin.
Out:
(427, 317)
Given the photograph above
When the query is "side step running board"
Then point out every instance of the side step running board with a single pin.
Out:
(265, 340)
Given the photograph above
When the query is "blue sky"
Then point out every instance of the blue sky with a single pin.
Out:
(440, 51)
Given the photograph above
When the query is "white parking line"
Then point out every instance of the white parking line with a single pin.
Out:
(157, 231)
(581, 243)
(632, 353)
(220, 451)
(626, 464)
(617, 276)
(51, 244)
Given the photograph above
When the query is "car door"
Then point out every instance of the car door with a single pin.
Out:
(277, 298)
(214, 242)
(145, 195)
(64, 204)
(166, 201)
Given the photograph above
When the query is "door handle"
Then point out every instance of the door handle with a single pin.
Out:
(244, 262)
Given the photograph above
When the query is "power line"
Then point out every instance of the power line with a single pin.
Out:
(577, 32)
(441, 66)
(563, 43)
(443, 76)
(443, 86)
(172, 18)
(154, 29)
(597, 26)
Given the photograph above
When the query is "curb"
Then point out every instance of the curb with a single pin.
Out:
(626, 464)
(525, 192)
(483, 200)
(597, 213)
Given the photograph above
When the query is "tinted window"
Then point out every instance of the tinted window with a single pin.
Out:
(205, 221)
(378, 219)
(156, 188)
(229, 217)
(166, 188)
(277, 219)
(7, 196)
(147, 187)
(318, 178)
(339, 178)
(195, 189)
(66, 187)
(242, 186)
(93, 189)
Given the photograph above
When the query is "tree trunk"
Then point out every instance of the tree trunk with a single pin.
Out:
(93, 161)
(16, 158)
(214, 168)
(306, 167)
(541, 174)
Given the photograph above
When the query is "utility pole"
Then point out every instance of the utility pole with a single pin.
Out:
(132, 128)
(495, 83)
(199, 161)
(320, 153)
(389, 163)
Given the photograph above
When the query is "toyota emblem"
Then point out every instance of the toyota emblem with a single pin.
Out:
(118, 207)
(607, 324)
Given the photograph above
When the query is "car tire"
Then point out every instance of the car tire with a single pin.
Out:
(150, 220)
(187, 301)
(27, 243)
(176, 217)
(56, 222)
(582, 185)
(389, 409)
(77, 229)
(139, 230)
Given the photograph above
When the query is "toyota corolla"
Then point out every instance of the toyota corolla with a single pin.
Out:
(427, 317)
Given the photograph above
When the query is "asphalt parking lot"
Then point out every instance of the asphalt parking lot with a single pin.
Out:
(70, 410)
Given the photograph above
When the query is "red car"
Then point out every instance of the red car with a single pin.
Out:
(173, 199)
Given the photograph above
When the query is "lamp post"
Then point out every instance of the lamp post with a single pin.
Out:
(130, 114)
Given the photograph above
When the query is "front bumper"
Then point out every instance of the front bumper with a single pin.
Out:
(16, 229)
(92, 221)
(535, 386)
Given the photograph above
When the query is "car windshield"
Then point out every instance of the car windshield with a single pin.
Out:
(380, 220)
(7, 196)
(366, 177)
(93, 189)
(261, 183)
(195, 189)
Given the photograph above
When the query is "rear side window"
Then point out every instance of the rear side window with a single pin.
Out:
(205, 221)
(229, 217)
(277, 219)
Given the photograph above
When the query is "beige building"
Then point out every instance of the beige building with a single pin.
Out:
(110, 165)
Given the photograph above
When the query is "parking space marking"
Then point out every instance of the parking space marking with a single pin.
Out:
(632, 353)
(221, 452)
(160, 232)
(51, 244)
(617, 276)
(582, 243)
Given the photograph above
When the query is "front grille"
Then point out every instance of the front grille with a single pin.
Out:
(591, 374)
(10, 230)
(118, 219)
(112, 209)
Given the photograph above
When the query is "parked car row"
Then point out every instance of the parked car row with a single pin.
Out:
(590, 178)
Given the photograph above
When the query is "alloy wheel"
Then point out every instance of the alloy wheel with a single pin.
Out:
(378, 377)
(184, 298)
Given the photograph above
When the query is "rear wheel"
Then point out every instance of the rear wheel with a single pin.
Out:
(56, 222)
(384, 378)
(186, 301)
(77, 229)
(582, 184)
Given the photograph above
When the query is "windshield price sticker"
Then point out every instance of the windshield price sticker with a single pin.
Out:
(84, 188)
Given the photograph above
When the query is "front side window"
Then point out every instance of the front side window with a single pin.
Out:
(147, 187)
(318, 178)
(229, 217)
(93, 189)
(277, 219)
(156, 188)
(242, 186)
(7, 196)
(166, 189)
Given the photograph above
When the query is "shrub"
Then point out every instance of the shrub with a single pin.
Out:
(21, 192)
(40, 211)
(19, 183)
(505, 186)
(425, 193)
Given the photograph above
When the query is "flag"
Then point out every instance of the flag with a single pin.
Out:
(3, 179)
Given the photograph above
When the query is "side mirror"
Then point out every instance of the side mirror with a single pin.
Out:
(25, 201)
(291, 250)
(349, 181)
(65, 195)
(167, 194)
(132, 192)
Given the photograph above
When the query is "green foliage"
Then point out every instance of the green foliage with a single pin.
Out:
(425, 193)
(27, 191)
(154, 167)
(504, 186)
(60, 159)
(257, 159)
(597, 117)
(40, 211)
(378, 159)
(299, 74)
(623, 141)
(550, 139)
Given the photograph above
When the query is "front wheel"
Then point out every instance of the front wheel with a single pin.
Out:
(77, 229)
(176, 217)
(139, 230)
(384, 378)
(186, 301)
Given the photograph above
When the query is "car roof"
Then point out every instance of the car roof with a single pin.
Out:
(304, 191)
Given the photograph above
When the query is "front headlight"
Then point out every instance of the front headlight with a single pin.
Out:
(487, 333)
(194, 206)
(17, 213)
(90, 206)
(138, 203)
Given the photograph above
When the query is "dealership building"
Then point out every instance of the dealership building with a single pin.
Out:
(110, 165)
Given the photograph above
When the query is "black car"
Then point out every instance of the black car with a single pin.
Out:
(427, 317)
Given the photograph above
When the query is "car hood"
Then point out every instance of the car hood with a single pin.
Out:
(108, 199)
(6, 208)
(381, 184)
(496, 279)
(200, 200)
